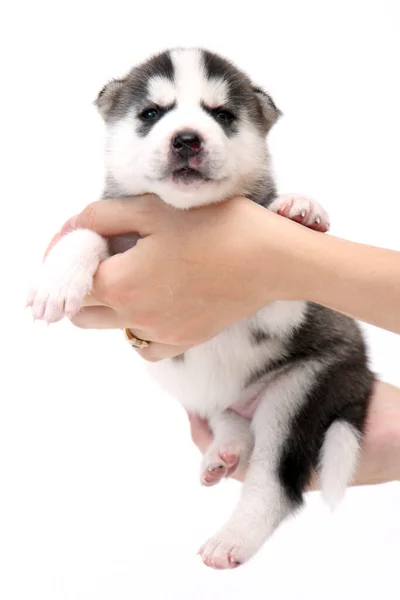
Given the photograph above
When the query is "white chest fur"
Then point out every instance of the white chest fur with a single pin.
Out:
(212, 376)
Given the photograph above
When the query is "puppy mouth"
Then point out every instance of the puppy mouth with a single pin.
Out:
(187, 175)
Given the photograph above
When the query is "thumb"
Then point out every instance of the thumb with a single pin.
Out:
(200, 432)
(66, 228)
(114, 217)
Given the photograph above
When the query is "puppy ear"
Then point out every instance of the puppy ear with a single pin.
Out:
(270, 113)
(106, 99)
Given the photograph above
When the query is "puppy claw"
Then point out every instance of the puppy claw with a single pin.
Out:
(225, 551)
(221, 462)
(303, 210)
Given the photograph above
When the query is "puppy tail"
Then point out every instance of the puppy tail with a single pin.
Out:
(338, 460)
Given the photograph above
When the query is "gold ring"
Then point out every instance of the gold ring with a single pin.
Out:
(134, 341)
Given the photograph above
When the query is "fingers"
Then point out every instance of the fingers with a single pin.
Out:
(97, 317)
(200, 432)
(103, 317)
(118, 216)
(90, 300)
(118, 280)
(56, 238)
(113, 217)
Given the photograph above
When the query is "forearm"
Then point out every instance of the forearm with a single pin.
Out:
(355, 279)
(209, 268)
(358, 280)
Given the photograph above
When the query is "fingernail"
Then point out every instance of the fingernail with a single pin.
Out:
(69, 225)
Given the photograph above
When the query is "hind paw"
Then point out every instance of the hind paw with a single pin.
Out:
(303, 210)
(221, 460)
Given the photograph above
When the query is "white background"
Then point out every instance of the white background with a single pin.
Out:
(99, 479)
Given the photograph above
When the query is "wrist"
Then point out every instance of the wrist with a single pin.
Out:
(288, 257)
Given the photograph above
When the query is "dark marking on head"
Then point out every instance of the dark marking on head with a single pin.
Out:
(120, 95)
(224, 117)
(108, 96)
(243, 96)
(270, 113)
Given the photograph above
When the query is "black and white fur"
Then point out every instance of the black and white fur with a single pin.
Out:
(286, 392)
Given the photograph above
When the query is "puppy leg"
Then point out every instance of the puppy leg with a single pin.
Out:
(264, 502)
(66, 276)
(232, 446)
(301, 209)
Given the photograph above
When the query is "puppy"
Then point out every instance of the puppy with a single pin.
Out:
(286, 392)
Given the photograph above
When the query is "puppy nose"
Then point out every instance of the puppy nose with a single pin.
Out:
(187, 143)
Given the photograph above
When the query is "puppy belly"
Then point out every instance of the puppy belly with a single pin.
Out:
(246, 408)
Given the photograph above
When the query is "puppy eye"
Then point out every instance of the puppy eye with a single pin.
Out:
(223, 115)
(150, 114)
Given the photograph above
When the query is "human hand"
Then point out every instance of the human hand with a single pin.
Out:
(192, 274)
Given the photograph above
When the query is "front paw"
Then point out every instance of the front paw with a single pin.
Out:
(58, 295)
(303, 210)
(66, 276)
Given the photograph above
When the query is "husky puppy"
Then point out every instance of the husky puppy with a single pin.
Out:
(286, 392)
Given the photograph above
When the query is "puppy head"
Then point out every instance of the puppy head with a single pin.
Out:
(188, 126)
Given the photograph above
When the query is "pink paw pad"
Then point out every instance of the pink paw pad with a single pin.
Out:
(217, 465)
(216, 556)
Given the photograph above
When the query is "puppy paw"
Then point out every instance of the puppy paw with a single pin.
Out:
(222, 460)
(59, 295)
(66, 276)
(303, 210)
(227, 550)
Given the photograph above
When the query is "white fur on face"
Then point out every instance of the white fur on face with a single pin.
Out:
(142, 164)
